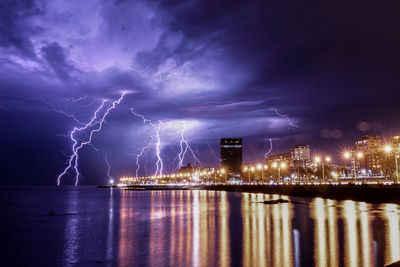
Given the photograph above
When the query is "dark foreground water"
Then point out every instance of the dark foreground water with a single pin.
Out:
(95, 227)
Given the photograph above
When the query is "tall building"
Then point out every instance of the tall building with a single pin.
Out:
(231, 154)
(396, 142)
(300, 156)
(371, 147)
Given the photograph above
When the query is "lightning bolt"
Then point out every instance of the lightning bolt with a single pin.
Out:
(74, 100)
(270, 148)
(110, 179)
(59, 110)
(158, 148)
(184, 147)
(289, 121)
(138, 156)
(291, 124)
(159, 163)
(94, 126)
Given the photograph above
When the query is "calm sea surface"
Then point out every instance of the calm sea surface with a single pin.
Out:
(95, 227)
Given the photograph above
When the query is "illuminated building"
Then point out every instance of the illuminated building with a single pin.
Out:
(300, 156)
(396, 142)
(371, 147)
(278, 158)
(231, 154)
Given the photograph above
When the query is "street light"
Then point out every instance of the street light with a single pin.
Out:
(318, 159)
(353, 156)
(260, 167)
(245, 169)
(388, 149)
(252, 169)
(280, 166)
(223, 173)
(275, 165)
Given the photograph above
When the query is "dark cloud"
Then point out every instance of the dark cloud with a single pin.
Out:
(15, 27)
(56, 58)
(223, 67)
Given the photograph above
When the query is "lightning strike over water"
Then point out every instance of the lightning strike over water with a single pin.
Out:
(110, 179)
(159, 163)
(138, 156)
(95, 125)
(184, 143)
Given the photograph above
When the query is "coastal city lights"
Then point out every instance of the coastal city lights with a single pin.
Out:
(200, 133)
(358, 166)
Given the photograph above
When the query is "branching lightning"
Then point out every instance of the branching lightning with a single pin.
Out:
(289, 121)
(110, 179)
(94, 125)
(156, 140)
(184, 147)
(74, 100)
(291, 124)
(60, 110)
(138, 156)
(158, 126)
(159, 163)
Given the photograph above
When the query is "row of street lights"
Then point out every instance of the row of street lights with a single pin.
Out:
(261, 168)
(353, 155)
(389, 149)
(318, 160)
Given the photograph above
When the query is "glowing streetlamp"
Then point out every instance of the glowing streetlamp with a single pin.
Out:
(246, 169)
(222, 171)
(353, 156)
(260, 167)
(279, 167)
(318, 160)
(388, 149)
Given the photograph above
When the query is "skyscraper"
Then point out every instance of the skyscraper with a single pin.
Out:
(231, 154)
(370, 146)
(300, 156)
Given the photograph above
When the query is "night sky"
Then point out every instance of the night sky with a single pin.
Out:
(298, 72)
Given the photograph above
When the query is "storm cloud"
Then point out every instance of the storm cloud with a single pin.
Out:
(224, 68)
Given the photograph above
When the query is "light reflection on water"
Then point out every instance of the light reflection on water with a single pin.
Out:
(206, 228)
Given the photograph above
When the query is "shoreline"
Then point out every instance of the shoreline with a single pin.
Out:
(366, 193)
(371, 193)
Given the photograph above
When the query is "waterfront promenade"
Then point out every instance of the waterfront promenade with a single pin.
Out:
(387, 192)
